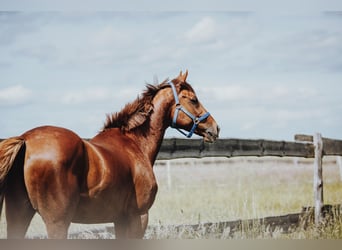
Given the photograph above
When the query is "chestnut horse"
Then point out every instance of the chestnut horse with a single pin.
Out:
(52, 171)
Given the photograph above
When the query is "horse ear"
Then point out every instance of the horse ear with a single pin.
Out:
(182, 77)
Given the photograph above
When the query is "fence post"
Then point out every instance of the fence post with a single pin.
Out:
(168, 170)
(318, 177)
(339, 163)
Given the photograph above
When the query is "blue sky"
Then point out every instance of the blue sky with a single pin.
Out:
(261, 75)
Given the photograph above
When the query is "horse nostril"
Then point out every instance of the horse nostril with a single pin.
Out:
(212, 133)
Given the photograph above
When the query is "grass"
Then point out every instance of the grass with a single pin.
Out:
(214, 190)
(219, 189)
(230, 189)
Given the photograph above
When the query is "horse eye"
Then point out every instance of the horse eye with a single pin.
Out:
(194, 100)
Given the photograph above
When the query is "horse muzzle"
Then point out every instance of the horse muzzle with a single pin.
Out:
(211, 133)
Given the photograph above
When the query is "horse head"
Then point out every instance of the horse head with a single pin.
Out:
(189, 114)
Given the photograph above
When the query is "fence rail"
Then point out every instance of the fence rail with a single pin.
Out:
(195, 148)
(288, 223)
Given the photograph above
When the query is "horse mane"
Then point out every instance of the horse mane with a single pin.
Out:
(137, 113)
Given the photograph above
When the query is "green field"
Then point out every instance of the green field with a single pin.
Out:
(194, 191)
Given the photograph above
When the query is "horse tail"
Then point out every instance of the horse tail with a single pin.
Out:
(9, 149)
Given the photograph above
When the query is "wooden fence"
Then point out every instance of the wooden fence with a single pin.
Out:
(304, 146)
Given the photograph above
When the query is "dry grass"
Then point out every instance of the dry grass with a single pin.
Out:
(213, 190)
(229, 189)
(219, 189)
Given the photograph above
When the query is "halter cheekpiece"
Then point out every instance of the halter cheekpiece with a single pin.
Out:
(195, 119)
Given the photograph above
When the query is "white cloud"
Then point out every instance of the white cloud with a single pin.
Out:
(14, 95)
(203, 31)
(261, 93)
(227, 93)
(110, 36)
(99, 95)
(86, 95)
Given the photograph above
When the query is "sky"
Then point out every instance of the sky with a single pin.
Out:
(260, 74)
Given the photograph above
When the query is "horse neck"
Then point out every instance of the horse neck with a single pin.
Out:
(150, 140)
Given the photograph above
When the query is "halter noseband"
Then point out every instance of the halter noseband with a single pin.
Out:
(195, 119)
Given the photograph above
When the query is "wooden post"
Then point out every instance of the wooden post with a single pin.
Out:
(168, 170)
(339, 163)
(318, 177)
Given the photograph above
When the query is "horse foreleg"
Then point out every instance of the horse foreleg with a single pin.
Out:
(132, 227)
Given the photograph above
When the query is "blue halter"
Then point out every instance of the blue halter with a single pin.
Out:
(195, 119)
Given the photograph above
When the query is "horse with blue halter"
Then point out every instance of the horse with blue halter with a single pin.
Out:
(52, 171)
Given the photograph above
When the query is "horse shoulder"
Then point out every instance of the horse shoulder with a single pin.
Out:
(104, 170)
(144, 180)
